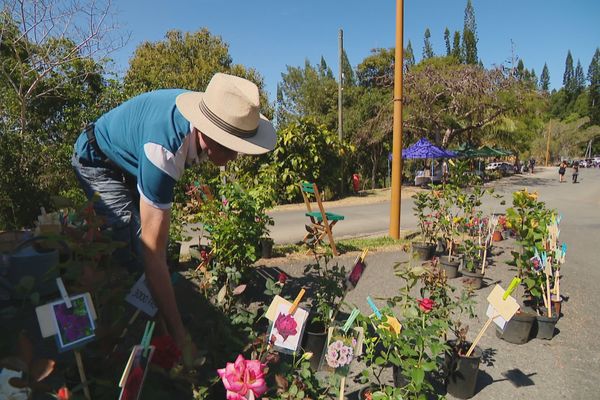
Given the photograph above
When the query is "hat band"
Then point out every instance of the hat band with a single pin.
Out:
(224, 125)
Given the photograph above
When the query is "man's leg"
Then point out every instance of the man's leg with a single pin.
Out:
(118, 204)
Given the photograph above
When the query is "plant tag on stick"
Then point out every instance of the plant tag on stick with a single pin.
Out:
(287, 329)
(505, 307)
(271, 313)
(342, 348)
(45, 317)
(140, 297)
(75, 325)
(132, 380)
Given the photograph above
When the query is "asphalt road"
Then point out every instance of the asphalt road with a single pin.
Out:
(374, 219)
(566, 367)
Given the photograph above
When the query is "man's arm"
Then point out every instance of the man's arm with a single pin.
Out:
(155, 233)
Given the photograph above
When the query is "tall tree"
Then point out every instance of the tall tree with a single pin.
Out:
(45, 36)
(470, 35)
(447, 41)
(594, 79)
(347, 71)
(308, 91)
(409, 56)
(569, 75)
(579, 78)
(456, 49)
(545, 79)
(520, 73)
(377, 69)
(427, 48)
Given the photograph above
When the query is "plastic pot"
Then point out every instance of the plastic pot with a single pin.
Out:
(472, 280)
(497, 236)
(450, 264)
(266, 247)
(518, 329)
(422, 251)
(399, 379)
(314, 341)
(461, 372)
(544, 325)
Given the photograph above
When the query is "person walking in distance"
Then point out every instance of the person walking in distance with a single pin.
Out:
(575, 171)
(561, 171)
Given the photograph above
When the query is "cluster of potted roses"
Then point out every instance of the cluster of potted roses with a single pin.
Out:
(465, 235)
(538, 259)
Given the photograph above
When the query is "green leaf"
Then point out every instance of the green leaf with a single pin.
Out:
(418, 375)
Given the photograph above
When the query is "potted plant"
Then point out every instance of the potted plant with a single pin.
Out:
(425, 204)
(328, 294)
(529, 218)
(472, 255)
(448, 222)
(461, 370)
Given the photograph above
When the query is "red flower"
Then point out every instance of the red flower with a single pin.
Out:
(282, 278)
(63, 394)
(426, 305)
(286, 326)
(166, 352)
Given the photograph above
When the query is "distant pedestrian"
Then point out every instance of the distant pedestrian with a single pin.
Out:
(561, 171)
(575, 171)
(444, 171)
(531, 165)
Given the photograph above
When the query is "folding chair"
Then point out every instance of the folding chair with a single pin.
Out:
(321, 222)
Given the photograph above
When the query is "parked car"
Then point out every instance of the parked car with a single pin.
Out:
(506, 168)
(493, 166)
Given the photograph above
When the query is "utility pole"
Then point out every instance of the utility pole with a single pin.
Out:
(397, 126)
(548, 142)
(340, 108)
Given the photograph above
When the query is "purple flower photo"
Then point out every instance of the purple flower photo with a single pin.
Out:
(75, 324)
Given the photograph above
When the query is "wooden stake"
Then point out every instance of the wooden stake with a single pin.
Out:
(84, 382)
(483, 262)
(342, 386)
(549, 308)
(557, 285)
(479, 335)
(544, 296)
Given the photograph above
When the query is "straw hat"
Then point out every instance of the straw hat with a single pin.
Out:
(228, 113)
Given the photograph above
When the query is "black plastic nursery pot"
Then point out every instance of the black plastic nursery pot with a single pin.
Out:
(544, 325)
(314, 341)
(422, 251)
(461, 372)
(266, 248)
(518, 329)
(472, 280)
(450, 264)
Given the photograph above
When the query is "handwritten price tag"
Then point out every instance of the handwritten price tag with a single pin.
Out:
(140, 297)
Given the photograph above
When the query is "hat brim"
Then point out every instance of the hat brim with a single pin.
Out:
(263, 141)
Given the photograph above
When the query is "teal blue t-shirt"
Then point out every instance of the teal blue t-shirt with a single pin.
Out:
(148, 138)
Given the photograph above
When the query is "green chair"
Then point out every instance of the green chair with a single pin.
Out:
(321, 222)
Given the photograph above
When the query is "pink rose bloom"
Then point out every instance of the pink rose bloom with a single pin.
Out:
(286, 325)
(426, 305)
(243, 379)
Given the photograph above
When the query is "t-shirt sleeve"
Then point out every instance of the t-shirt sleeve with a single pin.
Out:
(155, 186)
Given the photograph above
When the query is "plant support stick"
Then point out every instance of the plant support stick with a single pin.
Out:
(84, 382)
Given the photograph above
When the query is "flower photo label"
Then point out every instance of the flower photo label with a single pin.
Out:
(75, 325)
(287, 329)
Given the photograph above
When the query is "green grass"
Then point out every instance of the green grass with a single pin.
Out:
(343, 246)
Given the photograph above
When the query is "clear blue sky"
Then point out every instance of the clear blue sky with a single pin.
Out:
(269, 34)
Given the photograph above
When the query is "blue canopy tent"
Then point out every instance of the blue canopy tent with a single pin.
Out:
(425, 149)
